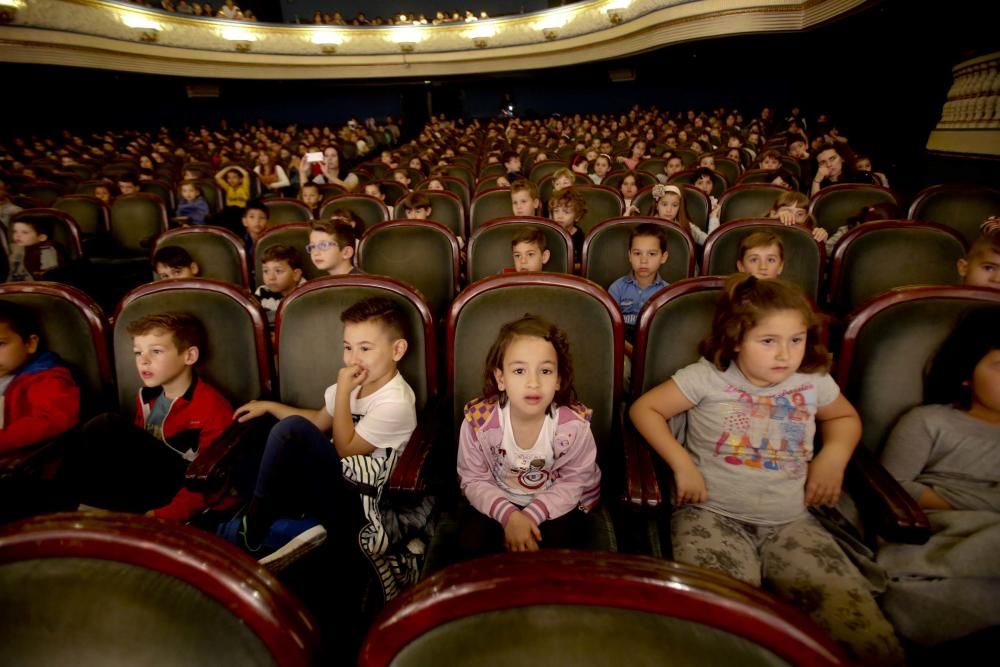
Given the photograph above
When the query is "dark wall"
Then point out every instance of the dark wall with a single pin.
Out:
(882, 73)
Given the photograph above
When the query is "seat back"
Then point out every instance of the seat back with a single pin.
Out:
(804, 257)
(696, 203)
(116, 587)
(688, 156)
(730, 169)
(875, 257)
(420, 253)
(961, 207)
(888, 344)
(210, 190)
(792, 165)
(161, 189)
(579, 606)
(309, 336)
(606, 248)
(220, 254)
(370, 210)
(135, 218)
(547, 187)
(545, 168)
(92, 216)
(446, 209)
(295, 235)
(489, 205)
(613, 179)
(495, 169)
(453, 185)
(73, 326)
(237, 360)
(833, 205)
(582, 309)
(490, 250)
(671, 325)
(752, 200)
(719, 182)
(652, 165)
(284, 210)
(464, 174)
(65, 231)
(602, 203)
(43, 192)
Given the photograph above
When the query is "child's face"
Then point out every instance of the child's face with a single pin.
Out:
(280, 277)
(255, 222)
(602, 166)
(799, 215)
(773, 350)
(234, 178)
(864, 164)
(986, 386)
(646, 257)
(25, 235)
(158, 360)
(400, 177)
(704, 183)
(561, 183)
(14, 350)
(708, 162)
(674, 165)
(982, 270)
(188, 192)
(763, 262)
(163, 271)
(565, 215)
(102, 193)
(530, 376)
(419, 213)
(127, 188)
(435, 185)
(528, 257)
(770, 163)
(326, 253)
(514, 164)
(310, 197)
(523, 203)
(629, 187)
(369, 346)
(668, 206)
(372, 191)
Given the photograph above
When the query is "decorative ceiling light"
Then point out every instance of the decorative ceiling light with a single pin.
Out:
(327, 40)
(615, 10)
(150, 28)
(480, 35)
(243, 38)
(407, 38)
(550, 25)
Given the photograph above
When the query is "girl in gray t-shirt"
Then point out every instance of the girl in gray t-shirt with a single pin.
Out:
(747, 473)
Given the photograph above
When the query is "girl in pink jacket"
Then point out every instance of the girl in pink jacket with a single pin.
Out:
(526, 455)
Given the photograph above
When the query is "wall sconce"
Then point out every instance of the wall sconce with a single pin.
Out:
(550, 25)
(327, 41)
(550, 34)
(244, 38)
(150, 28)
(8, 10)
(480, 35)
(406, 38)
(480, 43)
(616, 11)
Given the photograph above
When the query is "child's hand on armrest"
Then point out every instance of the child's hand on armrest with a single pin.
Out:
(521, 533)
(252, 410)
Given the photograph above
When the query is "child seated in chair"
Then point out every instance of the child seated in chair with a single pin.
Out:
(255, 218)
(282, 269)
(311, 197)
(417, 206)
(647, 252)
(567, 208)
(35, 255)
(331, 247)
(174, 262)
(524, 198)
(139, 465)
(529, 248)
(981, 267)
(762, 255)
(38, 397)
(370, 412)
(192, 206)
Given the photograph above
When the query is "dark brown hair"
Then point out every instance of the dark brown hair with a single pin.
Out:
(745, 301)
(342, 232)
(186, 329)
(649, 229)
(282, 253)
(530, 235)
(760, 240)
(537, 327)
(380, 309)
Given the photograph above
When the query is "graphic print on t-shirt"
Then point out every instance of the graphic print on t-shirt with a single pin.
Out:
(767, 432)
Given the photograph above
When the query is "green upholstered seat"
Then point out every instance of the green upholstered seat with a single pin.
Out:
(453, 185)
(752, 200)
(961, 207)
(696, 203)
(370, 210)
(489, 205)
(730, 169)
(161, 189)
(602, 204)
(43, 192)
(283, 210)
(605, 251)
(490, 247)
(878, 256)
(446, 208)
(804, 257)
(136, 218)
(65, 231)
(220, 254)
(210, 190)
(653, 165)
(719, 182)
(540, 170)
(833, 205)
(90, 213)
(495, 169)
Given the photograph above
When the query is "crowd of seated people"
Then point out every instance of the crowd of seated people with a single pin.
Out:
(439, 18)
(653, 164)
(228, 10)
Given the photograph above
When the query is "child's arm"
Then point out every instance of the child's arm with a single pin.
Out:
(906, 455)
(577, 483)
(649, 415)
(840, 426)
(54, 409)
(320, 418)
(345, 438)
(282, 180)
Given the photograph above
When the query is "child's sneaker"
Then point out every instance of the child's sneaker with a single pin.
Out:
(235, 532)
(289, 540)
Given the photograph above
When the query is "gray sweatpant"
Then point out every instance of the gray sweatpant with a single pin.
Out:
(801, 563)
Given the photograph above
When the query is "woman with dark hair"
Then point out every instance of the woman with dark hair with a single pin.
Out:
(835, 165)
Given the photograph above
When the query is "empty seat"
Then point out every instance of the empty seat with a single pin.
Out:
(833, 205)
(602, 203)
(136, 219)
(283, 210)
(961, 207)
(43, 192)
(92, 216)
(804, 257)
(490, 247)
(606, 248)
(874, 257)
(370, 210)
(489, 205)
(752, 200)
(220, 254)
(420, 253)
(161, 189)
(446, 208)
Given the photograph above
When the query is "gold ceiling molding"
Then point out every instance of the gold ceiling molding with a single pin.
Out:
(113, 35)
(970, 117)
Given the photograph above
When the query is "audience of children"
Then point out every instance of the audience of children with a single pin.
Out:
(255, 218)
(567, 208)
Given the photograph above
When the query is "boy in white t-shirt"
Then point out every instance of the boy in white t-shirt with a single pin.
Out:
(300, 472)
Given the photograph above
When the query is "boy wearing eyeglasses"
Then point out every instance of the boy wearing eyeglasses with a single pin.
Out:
(331, 247)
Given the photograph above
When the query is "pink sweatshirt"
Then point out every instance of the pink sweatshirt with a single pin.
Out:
(577, 479)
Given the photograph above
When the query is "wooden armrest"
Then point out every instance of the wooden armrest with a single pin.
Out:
(883, 503)
(408, 477)
(642, 488)
(211, 464)
(24, 460)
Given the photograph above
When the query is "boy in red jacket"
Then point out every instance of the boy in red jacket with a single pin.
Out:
(140, 466)
(38, 397)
